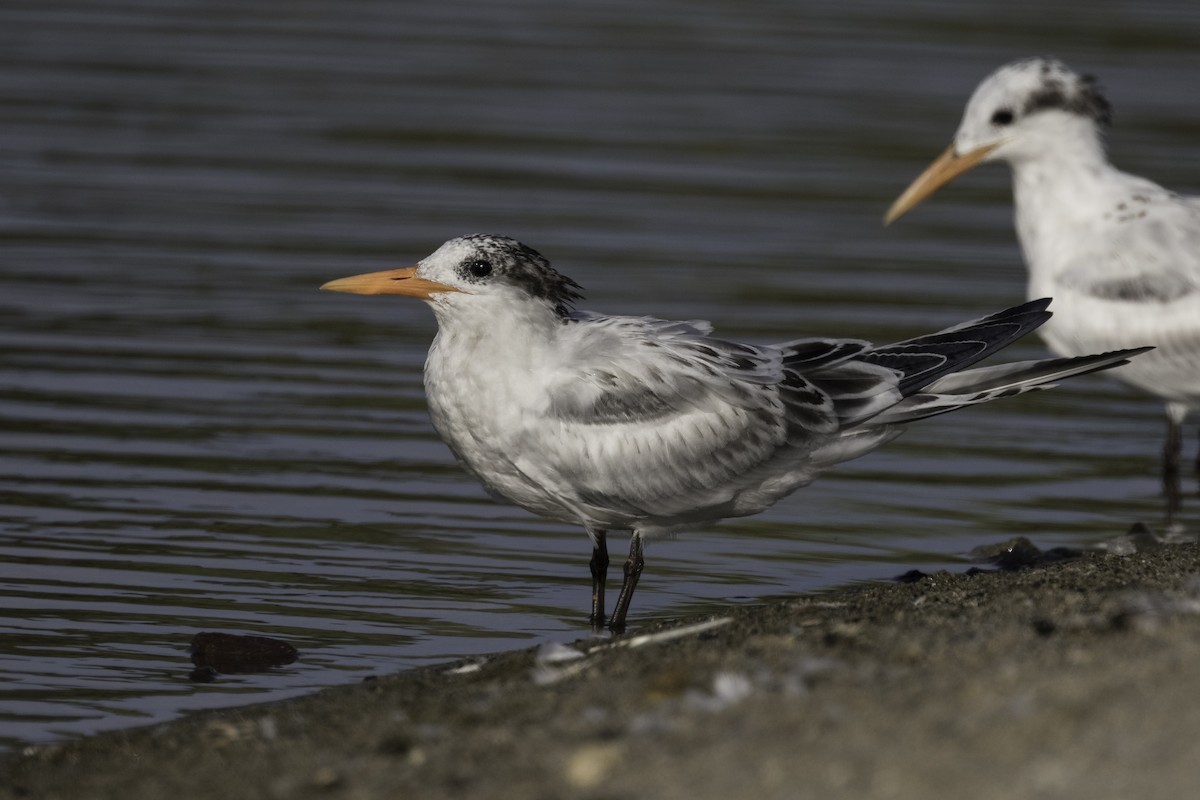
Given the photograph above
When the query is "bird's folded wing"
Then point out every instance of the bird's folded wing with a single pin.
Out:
(634, 369)
(1151, 257)
(654, 416)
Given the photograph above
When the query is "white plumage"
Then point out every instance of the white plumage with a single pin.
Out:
(648, 425)
(1119, 254)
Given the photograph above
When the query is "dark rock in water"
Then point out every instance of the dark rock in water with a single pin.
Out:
(1015, 552)
(1019, 552)
(912, 576)
(203, 674)
(232, 654)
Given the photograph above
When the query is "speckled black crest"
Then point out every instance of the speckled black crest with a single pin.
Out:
(527, 268)
(1077, 94)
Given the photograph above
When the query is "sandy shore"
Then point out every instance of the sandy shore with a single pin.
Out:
(1075, 679)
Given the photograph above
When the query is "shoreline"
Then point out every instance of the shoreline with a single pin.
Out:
(1072, 678)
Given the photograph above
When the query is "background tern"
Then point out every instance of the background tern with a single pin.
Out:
(1119, 254)
(651, 426)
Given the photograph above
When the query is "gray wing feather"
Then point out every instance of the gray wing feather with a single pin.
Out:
(1150, 253)
(648, 369)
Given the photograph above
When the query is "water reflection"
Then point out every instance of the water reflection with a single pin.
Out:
(195, 439)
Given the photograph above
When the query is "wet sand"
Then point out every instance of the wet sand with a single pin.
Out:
(1072, 679)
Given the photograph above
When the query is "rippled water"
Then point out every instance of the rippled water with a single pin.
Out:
(195, 438)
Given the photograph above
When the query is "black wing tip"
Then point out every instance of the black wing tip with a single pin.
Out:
(962, 345)
(1126, 355)
(1027, 317)
(1033, 308)
(1102, 362)
(1040, 304)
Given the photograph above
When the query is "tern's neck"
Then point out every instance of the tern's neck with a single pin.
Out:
(1062, 185)
(496, 330)
(487, 367)
(1063, 158)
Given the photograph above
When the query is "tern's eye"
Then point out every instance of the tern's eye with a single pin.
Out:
(1002, 117)
(479, 269)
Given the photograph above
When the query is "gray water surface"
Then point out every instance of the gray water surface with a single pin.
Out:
(192, 437)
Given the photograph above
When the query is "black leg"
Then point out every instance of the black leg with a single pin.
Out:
(1172, 447)
(1170, 476)
(1198, 460)
(599, 565)
(633, 570)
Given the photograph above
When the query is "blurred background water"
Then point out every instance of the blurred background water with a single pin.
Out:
(195, 438)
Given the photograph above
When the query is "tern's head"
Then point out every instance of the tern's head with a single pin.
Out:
(473, 270)
(1026, 99)
(1027, 109)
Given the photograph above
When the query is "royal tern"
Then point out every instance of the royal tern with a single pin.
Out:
(649, 425)
(1119, 254)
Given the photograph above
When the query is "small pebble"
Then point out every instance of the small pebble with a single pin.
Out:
(588, 766)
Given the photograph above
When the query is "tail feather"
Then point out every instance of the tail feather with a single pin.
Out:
(1003, 376)
(984, 384)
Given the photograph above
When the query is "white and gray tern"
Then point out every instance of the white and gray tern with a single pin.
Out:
(1119, 254)
(652, 426)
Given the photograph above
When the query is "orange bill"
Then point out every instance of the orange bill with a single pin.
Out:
(945, 168)
(389, 281)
